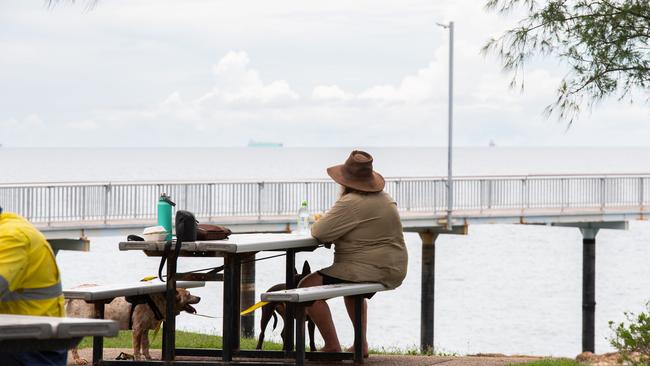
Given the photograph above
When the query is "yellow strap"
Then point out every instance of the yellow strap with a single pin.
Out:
(254, 307)
(148, 278)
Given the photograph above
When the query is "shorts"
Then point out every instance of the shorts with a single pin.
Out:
(329, 280)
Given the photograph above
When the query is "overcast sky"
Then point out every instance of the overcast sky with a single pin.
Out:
(304, 73)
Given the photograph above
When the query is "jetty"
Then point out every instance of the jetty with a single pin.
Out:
(71, 212)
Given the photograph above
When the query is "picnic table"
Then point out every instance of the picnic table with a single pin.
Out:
(233, 250)
(39, 333)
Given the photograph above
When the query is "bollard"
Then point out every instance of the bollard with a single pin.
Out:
(427, 291)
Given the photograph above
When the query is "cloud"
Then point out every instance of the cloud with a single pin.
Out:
(238, 84)
(31, 122)
(330, 93)
(369, 72)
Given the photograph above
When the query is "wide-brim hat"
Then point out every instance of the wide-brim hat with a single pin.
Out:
(357, 173)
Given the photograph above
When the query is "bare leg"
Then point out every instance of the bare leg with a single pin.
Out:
(349, 306)
(320, 313)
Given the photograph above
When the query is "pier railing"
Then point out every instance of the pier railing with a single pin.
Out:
(108, 202)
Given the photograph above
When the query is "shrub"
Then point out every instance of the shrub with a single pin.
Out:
(632, 340)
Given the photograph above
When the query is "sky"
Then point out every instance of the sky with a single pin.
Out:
(303, 73)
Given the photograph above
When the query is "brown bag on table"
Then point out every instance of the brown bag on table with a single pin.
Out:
(212, 232)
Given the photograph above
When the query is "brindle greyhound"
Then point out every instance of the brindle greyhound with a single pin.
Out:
(271, 308)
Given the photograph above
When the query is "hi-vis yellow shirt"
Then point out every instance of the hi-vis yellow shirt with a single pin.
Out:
(30, 282)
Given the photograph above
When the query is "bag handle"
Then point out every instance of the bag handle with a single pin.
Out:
(180, 228)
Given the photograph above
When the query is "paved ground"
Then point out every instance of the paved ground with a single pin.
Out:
(373, 360)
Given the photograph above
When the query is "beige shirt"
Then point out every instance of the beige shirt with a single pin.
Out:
(368, 242)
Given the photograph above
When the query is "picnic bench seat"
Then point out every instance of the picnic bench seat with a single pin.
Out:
(110, 292)
(31, 333)
(305, 296)
(104, 294)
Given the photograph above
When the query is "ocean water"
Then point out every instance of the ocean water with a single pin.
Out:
(509, 289)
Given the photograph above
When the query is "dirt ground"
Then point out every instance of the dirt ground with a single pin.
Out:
(373, 360)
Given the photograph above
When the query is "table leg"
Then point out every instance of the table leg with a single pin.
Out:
(358, 329)
(98, 342)
(290, 267)
(169, 330)
(237, 309)
(229, 312)
(300, 335)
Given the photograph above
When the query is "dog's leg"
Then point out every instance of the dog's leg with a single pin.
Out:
(137, 343)
(311, 327)
(78, 360)
(267, 312)
(145, 344)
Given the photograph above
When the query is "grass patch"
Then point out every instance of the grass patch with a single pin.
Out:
(183, 340)
(551, 362)
(412, 351)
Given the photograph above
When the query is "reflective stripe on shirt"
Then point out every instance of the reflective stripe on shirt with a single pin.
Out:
(28, 294)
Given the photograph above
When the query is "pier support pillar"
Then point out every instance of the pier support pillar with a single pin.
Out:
(248, 295)
(588, 288)
(427, 295)
(589, 231)
(427, 290)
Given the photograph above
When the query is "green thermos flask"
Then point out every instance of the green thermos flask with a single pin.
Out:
(165, 207)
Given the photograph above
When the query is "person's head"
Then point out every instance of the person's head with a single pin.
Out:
(356, 174)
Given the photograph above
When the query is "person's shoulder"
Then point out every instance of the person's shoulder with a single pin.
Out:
(12, 224)
(350, 197)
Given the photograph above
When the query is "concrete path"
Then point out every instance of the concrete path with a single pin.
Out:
(373, 360)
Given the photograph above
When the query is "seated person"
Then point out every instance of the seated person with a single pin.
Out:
(30, 284)
(366, 230)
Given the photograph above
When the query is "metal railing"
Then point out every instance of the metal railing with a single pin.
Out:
(108, 202)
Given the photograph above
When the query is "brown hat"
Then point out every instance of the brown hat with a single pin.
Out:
(357, 173)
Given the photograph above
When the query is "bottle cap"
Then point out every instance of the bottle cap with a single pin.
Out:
(166, 198)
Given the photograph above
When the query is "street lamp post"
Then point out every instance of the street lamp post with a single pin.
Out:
(450, 114)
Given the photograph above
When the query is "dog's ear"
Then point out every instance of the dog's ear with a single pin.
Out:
(295, 273)
(306, 269)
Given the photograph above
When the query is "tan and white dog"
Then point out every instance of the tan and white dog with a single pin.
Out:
(143, 319)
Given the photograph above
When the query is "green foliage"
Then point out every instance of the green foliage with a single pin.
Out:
(633, 340)
(606, 44)
(551, 362)
(412, 351)
(183, 340)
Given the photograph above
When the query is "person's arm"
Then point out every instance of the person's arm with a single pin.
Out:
(338, 221)
(13, 259)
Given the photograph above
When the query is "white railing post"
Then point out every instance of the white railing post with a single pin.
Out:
(524, 190)
(49, 205)
(107, 189)
(210, 208)
(602, 193)
(260, 187)
(641, 198)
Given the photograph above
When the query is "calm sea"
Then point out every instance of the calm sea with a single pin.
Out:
(503, 288)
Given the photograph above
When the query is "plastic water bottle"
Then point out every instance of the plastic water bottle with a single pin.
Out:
(303, 219)
(165, 205)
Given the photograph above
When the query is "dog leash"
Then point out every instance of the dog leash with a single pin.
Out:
(206, 316)
(254, 307)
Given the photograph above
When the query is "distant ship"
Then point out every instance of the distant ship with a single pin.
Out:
(492, 144)
(252, 143)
